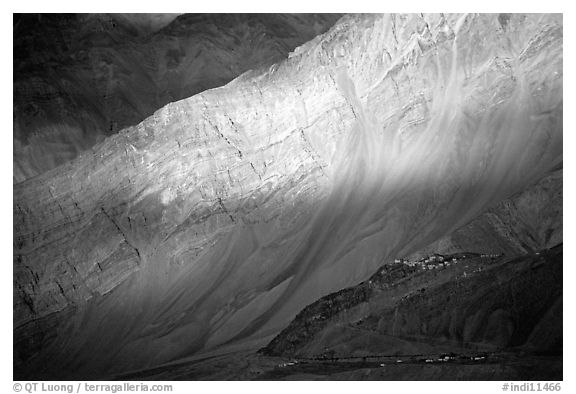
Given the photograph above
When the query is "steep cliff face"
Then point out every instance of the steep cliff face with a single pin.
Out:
(213, 222)
(80, 78)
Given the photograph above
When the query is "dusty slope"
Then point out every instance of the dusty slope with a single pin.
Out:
(81, 77)
(524, 223)
(220, 217)
(494, 302)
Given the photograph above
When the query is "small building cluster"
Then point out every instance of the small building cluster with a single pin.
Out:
(441, 359)
(435, 261)
(288, 364)
(490, 256)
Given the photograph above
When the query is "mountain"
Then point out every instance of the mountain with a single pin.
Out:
(79, 78)
(207, 227)
(498, 298)
(491, 314)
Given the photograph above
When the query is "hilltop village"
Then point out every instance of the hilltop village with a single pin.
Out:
(438, 261)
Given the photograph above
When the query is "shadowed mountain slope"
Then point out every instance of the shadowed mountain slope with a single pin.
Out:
(211, 224)
(485, 292)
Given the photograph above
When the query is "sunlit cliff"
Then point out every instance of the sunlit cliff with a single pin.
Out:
(212, 223)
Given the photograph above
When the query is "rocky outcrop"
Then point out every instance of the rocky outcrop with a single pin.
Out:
(81, 77)
(214, 221)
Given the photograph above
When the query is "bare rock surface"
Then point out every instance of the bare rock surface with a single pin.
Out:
(214, 221)
(81, 77)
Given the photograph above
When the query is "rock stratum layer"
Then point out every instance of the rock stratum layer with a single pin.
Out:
(79, 78)
(209, 225)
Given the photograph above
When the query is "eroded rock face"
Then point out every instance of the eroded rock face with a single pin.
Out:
(81, 77)
(213, 222)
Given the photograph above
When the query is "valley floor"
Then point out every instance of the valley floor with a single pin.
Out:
(495, 366)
